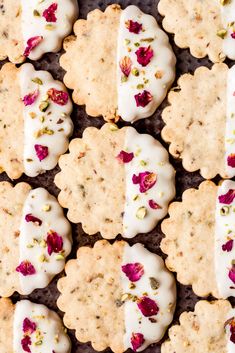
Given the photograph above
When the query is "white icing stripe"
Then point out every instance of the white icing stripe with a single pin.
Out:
(230, 124)
(230, 344)
(164, 296)
(49, 336)
(224, 231)
(33, 239)
(34, 24)
(155, 78)
(227, 17)
(152, 157)
(55, 120)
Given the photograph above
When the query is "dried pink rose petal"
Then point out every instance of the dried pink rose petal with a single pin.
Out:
(231, 274)
(137, 340)
(228, 246)
(54, 242)
(143, 99)
(125, 65)
(125, 157)
(41, 151)
(233, 35)
(133, 271)
(30, 98)
(58, 97)
(145, 180)
(147, 306)
(49, 13)
(30, 218)
(154, 205)
(228, 197)
(29, 326)
(25, 343)
(144, 55)
(231, 160)
(232, 330)
(31, 44)
(26, 268)
(134, 27)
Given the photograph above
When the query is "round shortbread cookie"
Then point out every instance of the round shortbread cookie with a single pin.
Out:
(201, 113)
(132, 65)
(29, 327)
(205, 27)
(126, 292)
(120, 182)
(34, 120)
(199, 238)
(33, 28)
(35, 238)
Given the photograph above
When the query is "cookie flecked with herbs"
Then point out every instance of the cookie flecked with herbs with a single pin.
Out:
(200, 239)
(35, 238)
(119, 63)
(205, 27)
(200, 121)
(125, 291)
(32, 28)
(120, 181)
(32, 328)
(35, 122)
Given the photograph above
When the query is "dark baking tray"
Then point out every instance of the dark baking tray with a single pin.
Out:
(186, 299)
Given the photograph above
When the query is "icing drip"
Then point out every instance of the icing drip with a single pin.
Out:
(227, 17)
(39, 245)
(230, 125)
(151, 80)
(157, 284)
(143, 210)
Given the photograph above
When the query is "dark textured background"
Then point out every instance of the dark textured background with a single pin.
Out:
(185, 63)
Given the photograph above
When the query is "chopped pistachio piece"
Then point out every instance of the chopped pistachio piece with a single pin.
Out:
(222, 33)
(43, 106)
(37, 80)
(141, 212)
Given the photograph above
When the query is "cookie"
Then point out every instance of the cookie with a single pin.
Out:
(34, 120)
(117, 296)
(35, 238)
(32, 28)
(199, 239)
(30, 327)
(209, 328)
(205, 27)
(201, 113)
(119, 63)
(119, 181)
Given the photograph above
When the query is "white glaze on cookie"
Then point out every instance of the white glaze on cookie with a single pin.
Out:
(230, 124)
(34, 24)
(155, 78)
(149, 156)
(55, 120)
(224, 232)
(49, 335)
(227, 17)
(164, 296)
(33, 239)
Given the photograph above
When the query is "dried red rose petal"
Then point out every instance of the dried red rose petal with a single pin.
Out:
(228, 197)
(144, 55)
(145, 180)
(30, 98)
(154, 205)
(125, 157)
(228, 246)
(58, 97)
(231, 160)
(54, 242)
(25, 343)
(133, 271)
(29, 326)
(147, 306)
(30, 218)
(137, 340)
(26, 268)
(49, 13)
(31, 44)
(134, 27)
(125, 65)
(233, 35)
(231, 273)
(143, 99)
(232, 330)
(41, 151)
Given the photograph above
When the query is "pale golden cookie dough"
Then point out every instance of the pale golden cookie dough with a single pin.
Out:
(6, 325)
